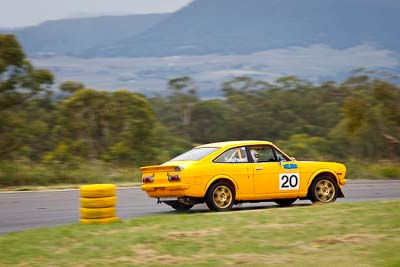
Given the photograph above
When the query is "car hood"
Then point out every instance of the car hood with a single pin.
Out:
(313, 165)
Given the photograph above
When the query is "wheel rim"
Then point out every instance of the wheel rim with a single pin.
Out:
(222, 196)
(325, 190)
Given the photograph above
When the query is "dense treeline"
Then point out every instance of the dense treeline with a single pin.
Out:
(357, 119)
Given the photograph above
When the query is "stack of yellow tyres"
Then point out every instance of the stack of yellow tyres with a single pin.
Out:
(98, 203)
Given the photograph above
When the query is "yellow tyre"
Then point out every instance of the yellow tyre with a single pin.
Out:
(98, 190)
(99, 221)
(98, 213)
(98, 202)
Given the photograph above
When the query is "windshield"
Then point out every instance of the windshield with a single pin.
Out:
(195, 153)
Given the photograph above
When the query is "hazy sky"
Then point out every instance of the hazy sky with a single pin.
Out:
(17, 13)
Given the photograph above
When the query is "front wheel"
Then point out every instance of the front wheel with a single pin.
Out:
(179, 206)
(220, 197)
(324, 189)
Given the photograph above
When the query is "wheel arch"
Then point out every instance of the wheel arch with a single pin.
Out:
(324, 172)
(221, 178)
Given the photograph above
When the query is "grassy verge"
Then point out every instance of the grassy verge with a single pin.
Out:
(379, 170)
(25, 174)
(60, 186)
(349, 234)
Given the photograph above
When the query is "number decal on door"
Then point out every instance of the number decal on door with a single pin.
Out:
(289, 181)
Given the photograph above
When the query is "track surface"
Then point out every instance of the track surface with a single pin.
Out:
(28, 210)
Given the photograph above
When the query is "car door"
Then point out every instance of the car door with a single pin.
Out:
(275, 176)
(235, 163)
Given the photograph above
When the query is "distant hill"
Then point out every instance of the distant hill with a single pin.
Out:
(238, 26)
(71, 36)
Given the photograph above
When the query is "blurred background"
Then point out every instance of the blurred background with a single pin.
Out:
(90, 99)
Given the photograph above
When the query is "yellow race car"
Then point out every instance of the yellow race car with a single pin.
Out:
(228, 173)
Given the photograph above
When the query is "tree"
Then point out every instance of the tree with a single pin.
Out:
(371, 118)
(210, 118)
(182, 98)
(19, 80)
(242, 102)
(81, 120)
(113, 126)
(71, 87)
(24, 103)
(129, 128)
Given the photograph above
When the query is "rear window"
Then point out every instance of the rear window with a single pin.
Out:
(196, 153)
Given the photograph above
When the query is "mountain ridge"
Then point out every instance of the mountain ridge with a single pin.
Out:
(236, 27)
(70, 36)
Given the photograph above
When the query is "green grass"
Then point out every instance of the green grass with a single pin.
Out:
(25, 173)
(348, 234)
(378, 170)
(61, 186)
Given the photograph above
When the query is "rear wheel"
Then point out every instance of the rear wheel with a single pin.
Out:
(285, 202)
(220, 196)
(324, 189)
(179, 206)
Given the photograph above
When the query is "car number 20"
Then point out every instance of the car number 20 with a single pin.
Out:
(289, 181)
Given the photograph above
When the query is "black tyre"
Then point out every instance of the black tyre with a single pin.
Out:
(285, 202)
(220, 196)
(324, 189)
(179, 206)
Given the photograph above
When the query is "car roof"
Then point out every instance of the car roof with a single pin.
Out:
(236, 143)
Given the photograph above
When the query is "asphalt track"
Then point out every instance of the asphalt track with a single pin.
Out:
(29, 210)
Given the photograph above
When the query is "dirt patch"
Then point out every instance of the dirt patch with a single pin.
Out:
(142, 255)
(251, 259)
(351, 238)
(152, 257)
(175, 235)
(357, 238)
(273, 225)
(125, 230)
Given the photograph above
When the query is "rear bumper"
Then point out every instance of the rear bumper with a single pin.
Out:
(165, 190)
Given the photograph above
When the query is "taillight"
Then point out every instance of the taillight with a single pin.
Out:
(148, 179)
(174, 178)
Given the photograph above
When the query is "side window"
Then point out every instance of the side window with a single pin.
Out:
(262, 154)
(280, 156)
(237, 154)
